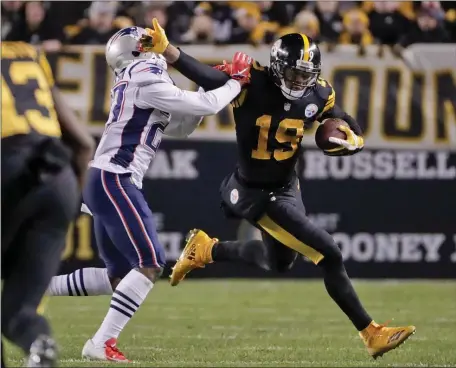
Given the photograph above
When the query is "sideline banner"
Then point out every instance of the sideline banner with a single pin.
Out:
(384, 93)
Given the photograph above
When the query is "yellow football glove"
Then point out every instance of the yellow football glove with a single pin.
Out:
(156, 40)
(352, 144)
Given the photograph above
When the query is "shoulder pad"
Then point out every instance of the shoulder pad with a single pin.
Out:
(29, 50)
(324, 88)
(326, 92)
(18, 49)
(259, 68)
(144, 72)
(258, 72)
(258, 84)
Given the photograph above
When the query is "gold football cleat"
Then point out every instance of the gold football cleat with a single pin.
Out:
(380, 339)
(196, 254)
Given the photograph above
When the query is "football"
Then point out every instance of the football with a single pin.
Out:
(329, 128)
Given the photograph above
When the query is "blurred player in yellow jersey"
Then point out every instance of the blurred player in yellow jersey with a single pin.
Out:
(44, 155)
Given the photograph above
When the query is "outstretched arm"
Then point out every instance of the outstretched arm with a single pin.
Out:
(166, 97)
(198, 72)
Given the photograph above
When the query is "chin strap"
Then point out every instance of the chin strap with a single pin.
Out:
(288, 93)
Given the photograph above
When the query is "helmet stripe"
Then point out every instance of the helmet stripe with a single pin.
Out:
(306, 47)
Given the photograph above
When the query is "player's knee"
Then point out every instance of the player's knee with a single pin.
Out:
(152, 273)
(332, 254)
(115, 281)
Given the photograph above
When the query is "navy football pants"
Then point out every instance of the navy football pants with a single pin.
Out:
(125, 231)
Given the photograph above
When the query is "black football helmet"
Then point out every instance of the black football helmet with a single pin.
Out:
(295, 64)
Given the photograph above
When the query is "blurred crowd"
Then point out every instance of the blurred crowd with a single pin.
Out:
(52, 24)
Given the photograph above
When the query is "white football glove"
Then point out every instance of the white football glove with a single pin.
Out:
(352, 143)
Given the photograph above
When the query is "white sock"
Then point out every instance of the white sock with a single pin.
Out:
(126, 299)
(83, 282)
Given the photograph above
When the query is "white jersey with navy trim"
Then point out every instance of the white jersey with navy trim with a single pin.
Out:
(145, 104)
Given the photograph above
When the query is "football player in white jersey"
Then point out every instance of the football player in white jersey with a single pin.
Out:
(145, 105)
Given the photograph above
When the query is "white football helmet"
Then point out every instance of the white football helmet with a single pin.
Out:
(124, 48)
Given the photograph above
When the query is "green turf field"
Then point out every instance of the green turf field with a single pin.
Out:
(262, 323)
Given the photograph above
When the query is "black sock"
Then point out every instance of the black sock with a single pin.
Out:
(25, 328)
(341, 290)
(251, 252)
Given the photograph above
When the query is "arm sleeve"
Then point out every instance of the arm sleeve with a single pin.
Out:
(169, 98)
(336, 112)
(200, 73)
(182, 124)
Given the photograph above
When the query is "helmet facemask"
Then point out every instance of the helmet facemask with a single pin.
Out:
(295, 81)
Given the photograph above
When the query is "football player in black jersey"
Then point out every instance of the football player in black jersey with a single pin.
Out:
(41, 188)
(270, 115)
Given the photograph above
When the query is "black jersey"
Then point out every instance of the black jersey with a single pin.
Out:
(270, 127)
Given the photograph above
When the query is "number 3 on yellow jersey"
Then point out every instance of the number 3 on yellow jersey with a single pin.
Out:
(27, 101)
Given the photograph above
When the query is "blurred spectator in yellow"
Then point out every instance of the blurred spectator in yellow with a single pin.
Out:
(387, 23)
(181, 14)
(250, 28)
(450, 22)
(11, 14)
(330, 20)
(67, 13)
(201, 30)
(429, 27)
(36, 29)
(345, 6)
(150, 10)
(100, 26)
(406, 8)
(305, 22)
(342, 6)
(356, 28)
(274, 11)
(223, 22)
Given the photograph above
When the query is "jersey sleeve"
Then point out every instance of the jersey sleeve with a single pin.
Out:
(182, 124)
(169, 98)
(331, 110)
(256, 87)
(327, 93)
(200, 73)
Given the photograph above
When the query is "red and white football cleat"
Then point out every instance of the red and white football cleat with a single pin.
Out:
(107, 352)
